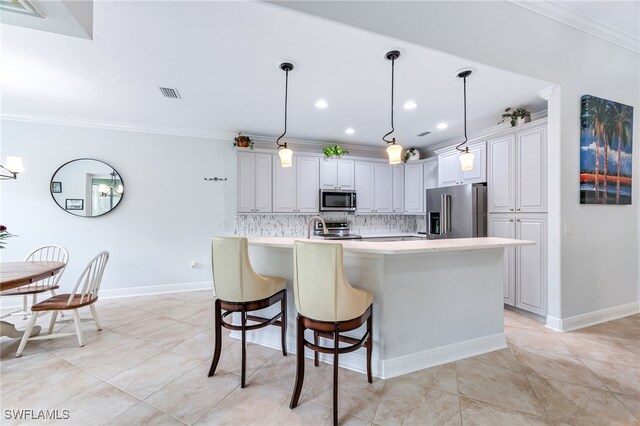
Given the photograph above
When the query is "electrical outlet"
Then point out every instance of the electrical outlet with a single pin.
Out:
(601, 285)
(195, 264)
(567, 229)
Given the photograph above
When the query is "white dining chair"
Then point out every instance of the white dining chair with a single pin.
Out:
(87, 295)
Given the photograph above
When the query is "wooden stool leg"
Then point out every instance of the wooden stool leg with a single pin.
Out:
(316, 341)
(336, 346)
(297, 389)
(243, 373)
(218, 342)
(369, 346)
(283, 330)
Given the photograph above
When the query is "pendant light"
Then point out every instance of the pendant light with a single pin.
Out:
(284, 152)
(394, 150)
(466, 157)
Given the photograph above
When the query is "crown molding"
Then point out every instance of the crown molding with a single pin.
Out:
(125, 127)
(564, 14)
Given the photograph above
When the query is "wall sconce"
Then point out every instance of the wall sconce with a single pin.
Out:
(13, 166)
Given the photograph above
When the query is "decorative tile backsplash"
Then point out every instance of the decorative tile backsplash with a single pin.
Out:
(293, 225)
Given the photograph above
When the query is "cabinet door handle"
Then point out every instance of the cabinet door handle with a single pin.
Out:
(517, 220)
(510, 210)
(517, 209)
(510, 220)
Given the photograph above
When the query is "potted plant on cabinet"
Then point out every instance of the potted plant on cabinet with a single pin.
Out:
(334, 151)
(516, 116)
(243, 141)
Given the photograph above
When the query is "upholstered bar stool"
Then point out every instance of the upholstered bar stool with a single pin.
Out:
(239, 289)
(328, 305)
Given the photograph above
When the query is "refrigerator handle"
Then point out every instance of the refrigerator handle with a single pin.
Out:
(447, 199)
(443, 214)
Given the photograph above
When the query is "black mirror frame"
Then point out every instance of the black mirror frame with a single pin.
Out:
(79, 159)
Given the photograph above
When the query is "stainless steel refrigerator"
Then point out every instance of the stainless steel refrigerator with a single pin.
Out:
(457, 211)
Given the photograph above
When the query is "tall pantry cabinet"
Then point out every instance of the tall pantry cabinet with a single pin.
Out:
(517, 206)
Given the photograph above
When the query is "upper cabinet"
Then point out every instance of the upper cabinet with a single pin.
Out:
(374, 186)
(397, 170)
(431, 173)
(337, 174)
(414, 188)
(295, 188)
(449, 170)
(254, 182)
(517, 172)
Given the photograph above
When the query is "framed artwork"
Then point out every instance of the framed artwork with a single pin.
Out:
(74, 204)
(56, 187)
(606, 141)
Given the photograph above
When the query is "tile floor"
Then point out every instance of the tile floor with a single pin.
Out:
(149, 366)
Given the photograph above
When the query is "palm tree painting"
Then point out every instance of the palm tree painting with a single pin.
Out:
(605, 151)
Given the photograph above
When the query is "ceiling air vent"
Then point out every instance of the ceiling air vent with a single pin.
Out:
(424, 134)
(168, 92)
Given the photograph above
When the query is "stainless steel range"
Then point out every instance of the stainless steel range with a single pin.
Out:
(337, 231)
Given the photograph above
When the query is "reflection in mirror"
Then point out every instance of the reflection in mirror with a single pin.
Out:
(87, 187)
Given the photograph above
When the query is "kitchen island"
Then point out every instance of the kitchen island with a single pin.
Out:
(435, 301)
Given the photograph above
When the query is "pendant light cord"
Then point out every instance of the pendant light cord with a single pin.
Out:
(464, 85)
(286, 97)
(384, 138)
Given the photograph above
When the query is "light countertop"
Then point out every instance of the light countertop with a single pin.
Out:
(400, 247)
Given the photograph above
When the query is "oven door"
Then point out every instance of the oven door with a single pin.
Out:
(337, 201)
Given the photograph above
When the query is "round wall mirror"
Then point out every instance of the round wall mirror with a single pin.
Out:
(87, 187)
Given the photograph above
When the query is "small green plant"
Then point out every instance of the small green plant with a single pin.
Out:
(334, 151)
(512, 114)
(243, 141)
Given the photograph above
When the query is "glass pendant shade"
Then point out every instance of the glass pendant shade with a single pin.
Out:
(466, 160)
(395, 153)
(14, 164)
(103, 190)
(285, 157)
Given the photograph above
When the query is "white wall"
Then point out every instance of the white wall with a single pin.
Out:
(604, 243)
(165, 220)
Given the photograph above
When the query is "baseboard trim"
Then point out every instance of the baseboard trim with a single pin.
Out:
(443, 354)
(386, 369)
(592, 318)
(16, 302)
(155, 289)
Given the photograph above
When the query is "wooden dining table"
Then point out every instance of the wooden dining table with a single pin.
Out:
(18, 274)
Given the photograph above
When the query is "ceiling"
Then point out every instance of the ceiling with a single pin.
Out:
(615, 21)
(223, 58)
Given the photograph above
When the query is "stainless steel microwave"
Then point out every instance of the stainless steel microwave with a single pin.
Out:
(332, 200)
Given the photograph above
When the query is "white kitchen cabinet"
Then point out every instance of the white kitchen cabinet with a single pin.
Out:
(398, 188)
(517, 172)
(450, 172)
(430, 173)
(383, 188)
(254, 182)
(374, 187)
(503, 226)
(414, 188)
(295, 188)
(337, 174)
(525, 281)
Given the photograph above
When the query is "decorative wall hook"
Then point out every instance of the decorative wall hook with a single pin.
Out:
(216, 179)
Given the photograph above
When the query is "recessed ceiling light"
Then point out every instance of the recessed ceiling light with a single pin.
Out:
(410, 105)
(321, 103)
(349, 131)
(442, 126)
